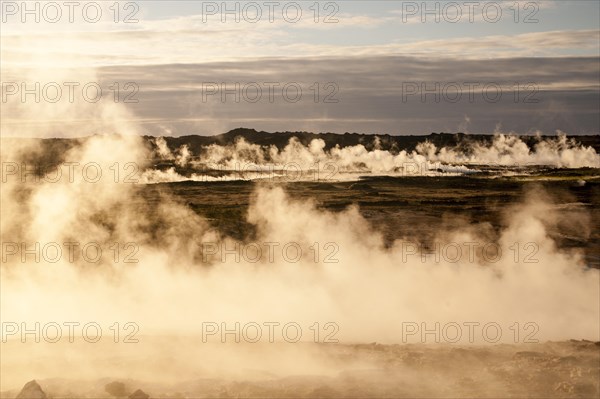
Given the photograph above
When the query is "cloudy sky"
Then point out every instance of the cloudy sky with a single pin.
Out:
(398, 67)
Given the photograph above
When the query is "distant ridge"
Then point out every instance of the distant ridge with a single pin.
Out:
(386, 141)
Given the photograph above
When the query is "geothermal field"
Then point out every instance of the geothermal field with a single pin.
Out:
(299, 199)
(246, 270)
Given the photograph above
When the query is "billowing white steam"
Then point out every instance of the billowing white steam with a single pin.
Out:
(251, 161)
(368, 290)
(510, 150)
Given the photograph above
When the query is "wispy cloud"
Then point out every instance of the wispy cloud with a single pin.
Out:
(181, 43)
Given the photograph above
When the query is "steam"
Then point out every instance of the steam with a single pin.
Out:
(248, 161)
(507, 150)
(369, 292)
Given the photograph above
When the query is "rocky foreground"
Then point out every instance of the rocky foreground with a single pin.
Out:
(550, 370)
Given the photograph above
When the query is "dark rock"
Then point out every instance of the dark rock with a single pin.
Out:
(116, 389)
(32, 390)
(139, 394)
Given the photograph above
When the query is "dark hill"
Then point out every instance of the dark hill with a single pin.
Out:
(386, 141)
